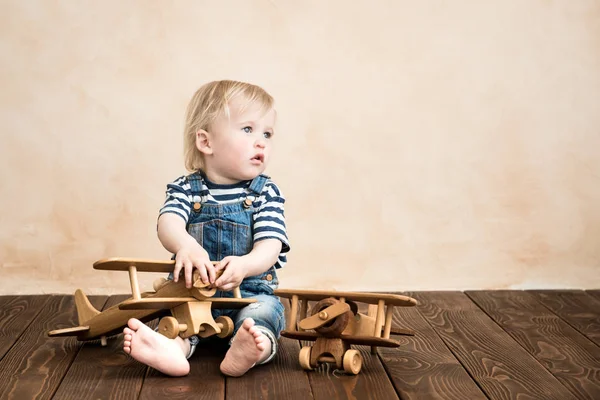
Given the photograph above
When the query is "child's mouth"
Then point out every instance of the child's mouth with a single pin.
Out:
(259, 158)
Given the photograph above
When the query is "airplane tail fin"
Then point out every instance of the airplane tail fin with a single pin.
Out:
(85, 310)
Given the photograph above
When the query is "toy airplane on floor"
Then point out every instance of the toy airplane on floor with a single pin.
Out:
(335, 324)
(190, 308)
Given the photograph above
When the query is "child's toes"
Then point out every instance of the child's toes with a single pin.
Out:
(261, 345)
(256, 333)
(248, 323)
(261, 342)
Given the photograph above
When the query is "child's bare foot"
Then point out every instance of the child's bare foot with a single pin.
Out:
(249, 346)
(155, 350)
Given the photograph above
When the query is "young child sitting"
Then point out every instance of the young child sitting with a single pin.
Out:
(225, 211)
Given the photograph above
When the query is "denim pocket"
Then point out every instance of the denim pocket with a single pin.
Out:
(222, 238)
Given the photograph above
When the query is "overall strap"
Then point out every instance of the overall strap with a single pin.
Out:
(195, 181)
(198, 194)
(257, 185)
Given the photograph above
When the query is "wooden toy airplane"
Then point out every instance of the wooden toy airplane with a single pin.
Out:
(190, 308)
(335, 324)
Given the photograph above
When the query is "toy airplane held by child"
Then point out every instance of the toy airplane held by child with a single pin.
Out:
(335, 324)
(190, 308)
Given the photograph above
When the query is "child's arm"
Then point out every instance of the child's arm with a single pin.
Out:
(188, 252)
(263, 256)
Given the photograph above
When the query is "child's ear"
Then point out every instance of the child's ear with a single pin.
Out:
(203, 142)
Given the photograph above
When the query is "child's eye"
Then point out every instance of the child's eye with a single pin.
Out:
(247, 129)
(268, 135)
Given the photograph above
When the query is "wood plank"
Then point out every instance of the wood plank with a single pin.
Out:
(499, 365)
(576, 307)
(282, 378)
(36, 364)
(16, 313)
(570, 356)
(204, 381)
(103, 372)
(423, 367)
(594, 293)
(371, 383)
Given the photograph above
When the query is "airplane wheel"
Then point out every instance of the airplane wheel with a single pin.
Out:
(335, 327)
(352, 362)
(169, 327)
(304, 358)
(227, 326)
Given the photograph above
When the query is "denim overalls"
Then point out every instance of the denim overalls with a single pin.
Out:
(226, 230)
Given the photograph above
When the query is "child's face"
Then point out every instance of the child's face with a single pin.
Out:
(240, 144)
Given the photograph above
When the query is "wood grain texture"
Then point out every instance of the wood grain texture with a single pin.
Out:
(204, 382)
(579, 309)
(594, 293)
(501, 368)
(16, 313)
(571, 357)
(102, 372)
(282, 378)
(371, 383)
(423, 367)
(458, 352)
(34, 367)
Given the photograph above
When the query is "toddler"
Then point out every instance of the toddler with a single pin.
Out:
(226, 211)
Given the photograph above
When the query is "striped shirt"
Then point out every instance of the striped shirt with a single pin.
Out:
(269, 219)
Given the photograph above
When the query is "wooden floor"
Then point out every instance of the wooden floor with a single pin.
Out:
(472, 345)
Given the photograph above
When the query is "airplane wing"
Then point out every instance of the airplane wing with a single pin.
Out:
(166, 303)
(141, 265)
(155, 303)
(123, 264)
(230, 303)
(369, 298)
(69, 331)
(350, 339)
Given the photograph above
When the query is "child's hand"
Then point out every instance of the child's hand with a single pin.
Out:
(191, 256)
(234, 272)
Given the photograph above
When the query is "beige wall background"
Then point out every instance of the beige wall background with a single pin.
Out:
(421, 145)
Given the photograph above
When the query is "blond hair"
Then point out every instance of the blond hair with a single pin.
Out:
(207, 104)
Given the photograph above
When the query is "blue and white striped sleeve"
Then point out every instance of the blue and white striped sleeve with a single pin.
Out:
(178, 199)
(269, 220)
